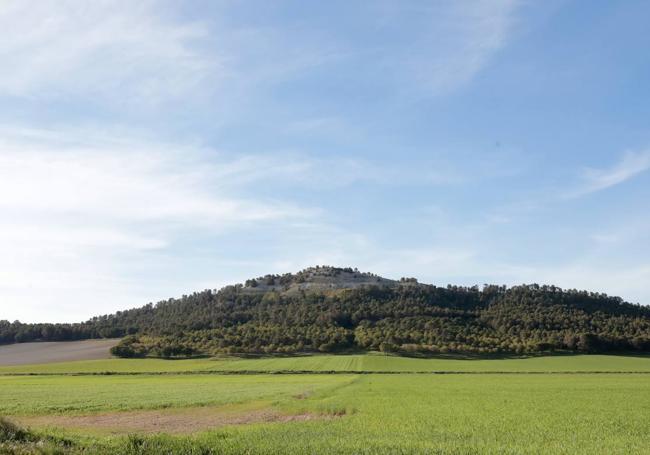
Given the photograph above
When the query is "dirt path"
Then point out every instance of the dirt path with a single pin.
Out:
(55, 351)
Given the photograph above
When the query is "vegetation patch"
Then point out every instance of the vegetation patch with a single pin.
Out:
(14, 439)
(11, 432)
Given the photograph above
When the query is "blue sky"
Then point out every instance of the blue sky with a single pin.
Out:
(150, 149)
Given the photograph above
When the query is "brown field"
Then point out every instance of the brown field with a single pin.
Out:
(55, 351)
(171, 421)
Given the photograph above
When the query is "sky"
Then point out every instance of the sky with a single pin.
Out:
(156, 148)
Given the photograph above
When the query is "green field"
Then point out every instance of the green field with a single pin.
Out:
(570, 413)
(80, 394)
(347, 363)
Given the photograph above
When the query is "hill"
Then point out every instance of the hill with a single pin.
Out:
(330, 309)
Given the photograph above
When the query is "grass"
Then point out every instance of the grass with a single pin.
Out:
(569, 414)
(490, 413)
(382, 363)
(346, 363)
(485, 414)
(34, 395)
(112, 365)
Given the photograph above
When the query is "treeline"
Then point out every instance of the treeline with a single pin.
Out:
(18, 332)
(409, 317)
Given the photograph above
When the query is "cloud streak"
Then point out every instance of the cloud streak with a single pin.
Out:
(128, 181)
(631, 165)
(116, 50)
(453, 42)
(89, 221)
(477, 31)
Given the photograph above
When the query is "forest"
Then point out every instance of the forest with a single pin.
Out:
(407, 317)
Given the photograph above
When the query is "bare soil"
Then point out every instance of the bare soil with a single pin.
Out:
(172, 421)
(55, 351)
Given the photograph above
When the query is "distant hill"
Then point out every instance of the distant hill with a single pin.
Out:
(329, 309)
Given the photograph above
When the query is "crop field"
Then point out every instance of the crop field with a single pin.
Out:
(361, 363)
(567, 407)
(78, 394)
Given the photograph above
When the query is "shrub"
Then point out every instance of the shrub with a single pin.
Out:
(10, 432)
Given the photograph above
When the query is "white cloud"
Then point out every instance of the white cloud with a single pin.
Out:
(131, 182)
(116, 50)
(144, 53)
(631, 165)
(81, 220)
(308, 170)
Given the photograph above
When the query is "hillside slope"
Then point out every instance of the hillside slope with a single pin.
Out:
(329, 309)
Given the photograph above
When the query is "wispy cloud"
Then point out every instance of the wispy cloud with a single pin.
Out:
(454, 41)
(126, 180)
(146, 53)
(116, 50)
(631, 165)
(85, 218)
(479, 30)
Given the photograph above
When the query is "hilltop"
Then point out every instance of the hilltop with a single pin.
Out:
(330, 309)
(318, 278)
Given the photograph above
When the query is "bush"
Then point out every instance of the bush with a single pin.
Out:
(10, 432)
(128, 348)
(388, 347)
